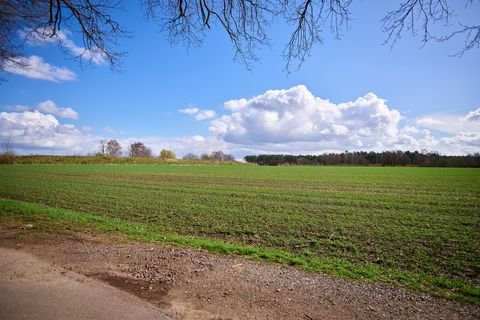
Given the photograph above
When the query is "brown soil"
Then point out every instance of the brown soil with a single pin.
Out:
(33, 289)
(193, 284)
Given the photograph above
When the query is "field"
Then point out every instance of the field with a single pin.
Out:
(414, 227)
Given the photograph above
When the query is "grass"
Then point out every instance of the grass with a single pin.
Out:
(416, 227)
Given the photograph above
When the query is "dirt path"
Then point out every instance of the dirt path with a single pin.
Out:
(191, 284)
(33, 289)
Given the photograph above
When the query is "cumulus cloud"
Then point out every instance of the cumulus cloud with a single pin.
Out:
(295, 121)
(35, 68)
(33, 130)
(467, 139)
(462, 132)
(49, 106)
(292, 121)
(296, 115)
(451, 124)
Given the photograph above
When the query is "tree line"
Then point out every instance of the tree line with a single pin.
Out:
(112, 148)
(363, 158)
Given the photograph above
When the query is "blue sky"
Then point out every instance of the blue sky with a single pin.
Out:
(351, 94)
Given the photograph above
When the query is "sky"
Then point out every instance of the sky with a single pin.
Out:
(350, 94)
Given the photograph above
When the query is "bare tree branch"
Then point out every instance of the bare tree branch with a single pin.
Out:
(310, 18)
(245, 23)
(421, 15)
(43, 19)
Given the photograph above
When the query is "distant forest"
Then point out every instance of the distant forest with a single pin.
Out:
(362, 158)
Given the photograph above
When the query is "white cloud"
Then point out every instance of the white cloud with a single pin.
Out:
(49, 106)
(199, 114)
(291, 121)
(467, 139)
(44, 36)
(473, 115)
(33, 130)
(198, 138)
(451, 124)
(295, 115)
(295, 121)
(189, 111)
(34, 67)
(430, 122)
(205, 115)
(463, 133)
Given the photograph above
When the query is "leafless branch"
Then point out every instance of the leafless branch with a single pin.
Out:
(245, 23)
(412, 13)
(420, 16)
(471, 36)
(99, 30)
(310, 18)
(45, 18)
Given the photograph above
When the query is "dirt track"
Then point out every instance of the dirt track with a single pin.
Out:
(33, 289)
(191, 284)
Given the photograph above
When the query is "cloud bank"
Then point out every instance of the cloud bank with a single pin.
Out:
(295, 121)
(36, 131)
(47, 106)
(291, 121)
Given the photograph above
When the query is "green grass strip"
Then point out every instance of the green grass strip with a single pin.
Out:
(46, 218)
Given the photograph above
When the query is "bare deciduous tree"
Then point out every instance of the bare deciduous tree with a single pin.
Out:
(102, 145)
(138, 149)
(7, 155)
(218, 156)
(190, 156)
(113, 148)
(245, 23)
(204, 156)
